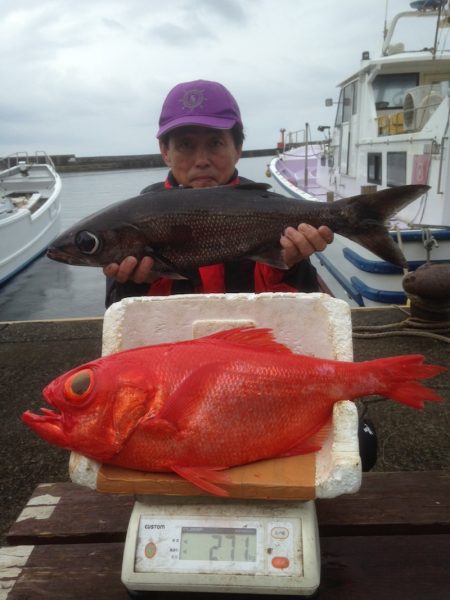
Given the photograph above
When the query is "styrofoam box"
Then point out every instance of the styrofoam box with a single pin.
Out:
(311, 324)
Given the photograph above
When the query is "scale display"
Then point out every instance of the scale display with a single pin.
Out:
(187, 544)
(231, 547)
(218, 543)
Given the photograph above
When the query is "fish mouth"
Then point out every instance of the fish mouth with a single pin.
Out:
(64, 257)
(48, 424)
(56, 254)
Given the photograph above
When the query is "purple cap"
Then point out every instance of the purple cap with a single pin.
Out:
(205, 103)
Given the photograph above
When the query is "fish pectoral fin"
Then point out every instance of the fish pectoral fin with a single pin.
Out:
(130, 405)
(204, 478)
(272, 256)
(186, 407)
(161, 265)
(164, 266)
(193, 275)
(183, 404)
(311, 443)
(156, 425)
(165, 273)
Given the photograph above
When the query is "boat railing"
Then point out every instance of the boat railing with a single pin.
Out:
(299, 139)
(296, 138)
(38, 158)
(431, 11)
(312, 150)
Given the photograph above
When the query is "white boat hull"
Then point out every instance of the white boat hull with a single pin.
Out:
(30, 217)
(352, 273)
(356, 275)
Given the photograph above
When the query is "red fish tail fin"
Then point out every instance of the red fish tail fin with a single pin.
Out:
(401, 374)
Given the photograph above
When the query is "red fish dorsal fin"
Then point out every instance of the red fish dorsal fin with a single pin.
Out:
(256, 337)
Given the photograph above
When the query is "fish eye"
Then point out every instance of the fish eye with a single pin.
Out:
(87, 242)
(78, 386)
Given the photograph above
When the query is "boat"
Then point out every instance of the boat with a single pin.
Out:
(30, 209)
(391, 128)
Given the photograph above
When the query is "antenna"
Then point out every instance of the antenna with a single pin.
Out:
(385, 20)
(437, 30)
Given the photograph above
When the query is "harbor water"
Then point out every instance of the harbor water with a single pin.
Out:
(50, 290)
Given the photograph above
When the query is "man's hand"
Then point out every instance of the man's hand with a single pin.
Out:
(131, 269)
(302, 242)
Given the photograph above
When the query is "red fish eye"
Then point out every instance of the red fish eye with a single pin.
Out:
(79, 386)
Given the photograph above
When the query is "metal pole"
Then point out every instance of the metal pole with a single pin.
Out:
(306, 155)
(437, 31)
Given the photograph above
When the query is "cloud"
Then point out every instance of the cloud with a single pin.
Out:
(90, 77)
(175, 35)
(230, 10)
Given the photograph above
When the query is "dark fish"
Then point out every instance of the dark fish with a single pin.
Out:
(183, 229)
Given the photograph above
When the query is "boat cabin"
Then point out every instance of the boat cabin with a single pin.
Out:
(391, 125)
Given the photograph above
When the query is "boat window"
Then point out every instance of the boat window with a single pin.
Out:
(396, 168)
(339, 108)
(389, 90)
(355, 98)
(374, 172)
(347, 104)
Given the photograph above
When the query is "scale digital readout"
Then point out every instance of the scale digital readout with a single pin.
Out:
(223, 544)
(208, 545)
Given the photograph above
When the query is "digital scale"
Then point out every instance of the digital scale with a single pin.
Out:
(208, 545)
(178, 543)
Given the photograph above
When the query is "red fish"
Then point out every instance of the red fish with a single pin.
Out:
(200, 406)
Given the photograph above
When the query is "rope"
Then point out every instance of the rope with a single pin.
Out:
(408, 327)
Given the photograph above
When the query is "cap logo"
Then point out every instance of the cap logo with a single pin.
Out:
(193, 99)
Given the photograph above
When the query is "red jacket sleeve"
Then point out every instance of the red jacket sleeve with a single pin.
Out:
(269, 279)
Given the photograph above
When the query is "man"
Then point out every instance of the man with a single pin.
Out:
(200, 139)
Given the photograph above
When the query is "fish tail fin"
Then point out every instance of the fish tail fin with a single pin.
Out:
(366, 215)
(401, 374)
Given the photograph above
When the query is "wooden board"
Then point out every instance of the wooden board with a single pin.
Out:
(60, 518)
(388, 504)
(385, 567)
(79, 515)
(368, 568)
(71, 571)
(290, 478)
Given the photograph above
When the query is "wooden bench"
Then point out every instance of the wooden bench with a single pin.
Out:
(391, 540)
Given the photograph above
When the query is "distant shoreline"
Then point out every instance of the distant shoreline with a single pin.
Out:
(70, 163)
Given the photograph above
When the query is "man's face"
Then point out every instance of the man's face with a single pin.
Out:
(201, 156)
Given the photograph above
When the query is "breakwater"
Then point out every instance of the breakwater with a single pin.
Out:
(70, 163)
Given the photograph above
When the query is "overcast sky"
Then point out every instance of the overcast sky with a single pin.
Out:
(88, 77)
